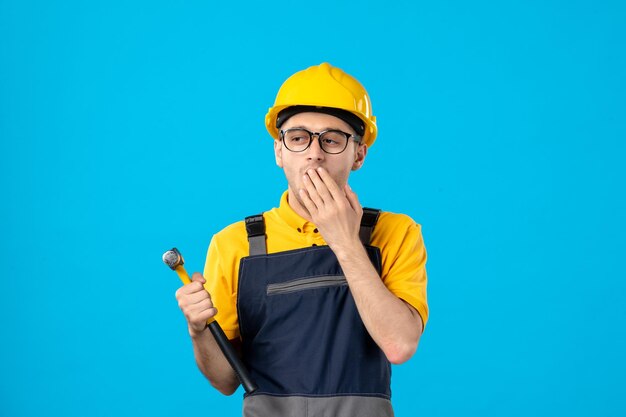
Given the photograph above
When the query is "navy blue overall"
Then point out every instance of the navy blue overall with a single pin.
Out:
(302, 337)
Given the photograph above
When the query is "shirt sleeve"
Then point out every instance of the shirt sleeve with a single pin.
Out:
(221, 286)
(404, 266)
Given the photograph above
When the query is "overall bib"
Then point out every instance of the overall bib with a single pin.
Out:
(302, 337)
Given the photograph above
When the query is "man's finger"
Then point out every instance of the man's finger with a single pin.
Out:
(353, 199)
(312, 192)
(197, 277)
(191, 288)
(197, 297)
(188, 289)
(308, 203)
(201, 305)
(330, 183)
(204, 315)
(320, 186)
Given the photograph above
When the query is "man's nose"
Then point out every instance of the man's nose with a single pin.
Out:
(315, 151)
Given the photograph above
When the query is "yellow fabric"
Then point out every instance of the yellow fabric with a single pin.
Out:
(397, 235)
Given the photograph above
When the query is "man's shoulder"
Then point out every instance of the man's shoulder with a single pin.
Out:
(388, 219)
(235, 234)
(396, 233)
(232, 230)
(228, 245)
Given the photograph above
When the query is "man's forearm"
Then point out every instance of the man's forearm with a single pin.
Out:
(393, 324)
(213, 364)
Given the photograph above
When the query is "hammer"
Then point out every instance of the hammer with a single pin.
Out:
(174, 259)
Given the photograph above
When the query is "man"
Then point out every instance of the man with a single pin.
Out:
(319, 295)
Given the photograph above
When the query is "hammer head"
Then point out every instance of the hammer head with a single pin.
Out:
(173, 258)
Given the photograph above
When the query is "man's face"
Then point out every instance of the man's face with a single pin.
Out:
(295, 164)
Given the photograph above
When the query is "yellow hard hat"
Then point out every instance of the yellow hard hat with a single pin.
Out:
(324, 86)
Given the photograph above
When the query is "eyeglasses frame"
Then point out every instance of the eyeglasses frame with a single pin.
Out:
(349, 136)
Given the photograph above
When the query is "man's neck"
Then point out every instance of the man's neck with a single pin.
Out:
(297, 206)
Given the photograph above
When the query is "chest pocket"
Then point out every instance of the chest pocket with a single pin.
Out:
(304, 284)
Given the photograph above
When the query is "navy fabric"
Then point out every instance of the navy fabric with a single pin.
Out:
(307, 341)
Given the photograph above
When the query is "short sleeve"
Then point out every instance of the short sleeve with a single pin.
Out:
(404, 263)
(220, 284)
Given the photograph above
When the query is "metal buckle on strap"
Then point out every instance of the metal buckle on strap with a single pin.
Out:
(255, 226)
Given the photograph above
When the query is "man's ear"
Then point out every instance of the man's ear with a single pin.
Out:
(278, 152)
(359, 157)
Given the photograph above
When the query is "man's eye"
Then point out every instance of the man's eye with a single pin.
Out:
(298, 139)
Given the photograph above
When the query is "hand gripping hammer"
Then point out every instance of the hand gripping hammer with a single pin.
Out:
(174, 260)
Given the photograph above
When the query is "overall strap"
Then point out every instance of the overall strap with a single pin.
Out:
(368, 221)
(255, 227)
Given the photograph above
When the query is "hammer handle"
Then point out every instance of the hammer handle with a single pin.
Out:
(182, 274)
(224, 344)
(231, 356)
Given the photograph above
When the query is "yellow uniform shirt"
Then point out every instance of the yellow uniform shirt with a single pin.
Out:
(397, 235)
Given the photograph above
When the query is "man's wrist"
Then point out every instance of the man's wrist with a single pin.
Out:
(196, 334)
(352, 250)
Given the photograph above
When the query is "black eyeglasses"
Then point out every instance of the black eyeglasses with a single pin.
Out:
(331, 141)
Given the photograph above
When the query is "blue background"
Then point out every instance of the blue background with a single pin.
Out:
(127, 128)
